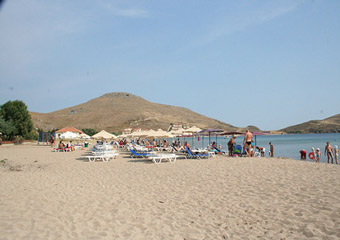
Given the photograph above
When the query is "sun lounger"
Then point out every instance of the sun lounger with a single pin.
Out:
(157, 158)
(105, 156)
(219, 150)
(198, 155)
(136, 154)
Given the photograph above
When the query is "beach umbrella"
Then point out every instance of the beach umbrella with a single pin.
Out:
(122, 136)
(162, 134)
(211, 131)
(193, 129)
(104, 134)
(69, 135)
(84, 136)
(259, 133)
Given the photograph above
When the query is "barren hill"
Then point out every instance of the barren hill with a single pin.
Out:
(116, 111)
(328, 125)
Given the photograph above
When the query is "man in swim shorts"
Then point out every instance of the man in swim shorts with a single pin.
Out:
(247, 142)
(328, 152)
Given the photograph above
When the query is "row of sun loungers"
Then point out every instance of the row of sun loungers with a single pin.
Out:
(105, 153)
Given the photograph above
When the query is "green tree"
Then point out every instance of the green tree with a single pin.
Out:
(16, 113)
(7, 129)
(89, 131)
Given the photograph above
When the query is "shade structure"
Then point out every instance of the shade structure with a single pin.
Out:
(122, 136)
(104, 134)
(231, 133)
(211, 131)
(193, 129)
(162, 134)
(148, 133)
(84, 136)
(69, 135)
(177, 132)
(259, 133)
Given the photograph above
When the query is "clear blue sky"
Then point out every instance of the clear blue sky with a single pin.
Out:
(266, 63)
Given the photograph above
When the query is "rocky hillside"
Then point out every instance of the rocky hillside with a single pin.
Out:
(328, 125)
(116, 111)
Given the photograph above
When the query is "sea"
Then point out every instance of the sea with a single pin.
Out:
(287, 146)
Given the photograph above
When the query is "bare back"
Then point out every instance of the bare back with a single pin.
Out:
(248, 137)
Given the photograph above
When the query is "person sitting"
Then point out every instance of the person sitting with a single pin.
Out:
(213, 146)
(71, 146)
(186, 144)
(61, 145)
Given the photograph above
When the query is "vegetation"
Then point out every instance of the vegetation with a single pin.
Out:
(15, 120)
(89, 131)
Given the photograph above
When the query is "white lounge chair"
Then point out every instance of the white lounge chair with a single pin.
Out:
(157, 158)
(105, 156)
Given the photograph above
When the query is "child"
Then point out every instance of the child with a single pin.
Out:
(318, 155)
(336, 153)
(314, 155)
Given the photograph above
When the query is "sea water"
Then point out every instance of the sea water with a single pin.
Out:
(284, 145)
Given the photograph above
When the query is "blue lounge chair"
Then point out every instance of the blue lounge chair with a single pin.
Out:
(175, 149)
(136, 154)
(219, 150)
(238, 150)
(199, 155)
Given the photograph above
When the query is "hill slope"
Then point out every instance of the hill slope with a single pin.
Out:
(328, 125)
(116, 111)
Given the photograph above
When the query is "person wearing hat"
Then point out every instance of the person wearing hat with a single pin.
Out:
(336, 153)
(318, 155)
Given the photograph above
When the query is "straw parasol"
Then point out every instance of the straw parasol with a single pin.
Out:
(193, 129)
(104, 134)
(84, 136)
(69, 135)
(162, 134)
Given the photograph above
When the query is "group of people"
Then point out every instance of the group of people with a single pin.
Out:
(315, 155)
(63, 146)
(249, 146)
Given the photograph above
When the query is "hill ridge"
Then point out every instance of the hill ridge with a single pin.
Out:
(118, 110)
(327, 125)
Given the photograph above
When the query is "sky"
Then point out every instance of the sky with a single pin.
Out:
(271, 64)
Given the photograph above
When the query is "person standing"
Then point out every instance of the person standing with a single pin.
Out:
(231, 144)
(329, 152)
(318, 155)
(52, 141)
(247, 142)
(271, 150)
(336, 153)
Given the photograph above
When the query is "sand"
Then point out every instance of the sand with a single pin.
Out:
(56, 195)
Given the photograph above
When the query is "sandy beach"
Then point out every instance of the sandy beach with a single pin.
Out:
(58, 195)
